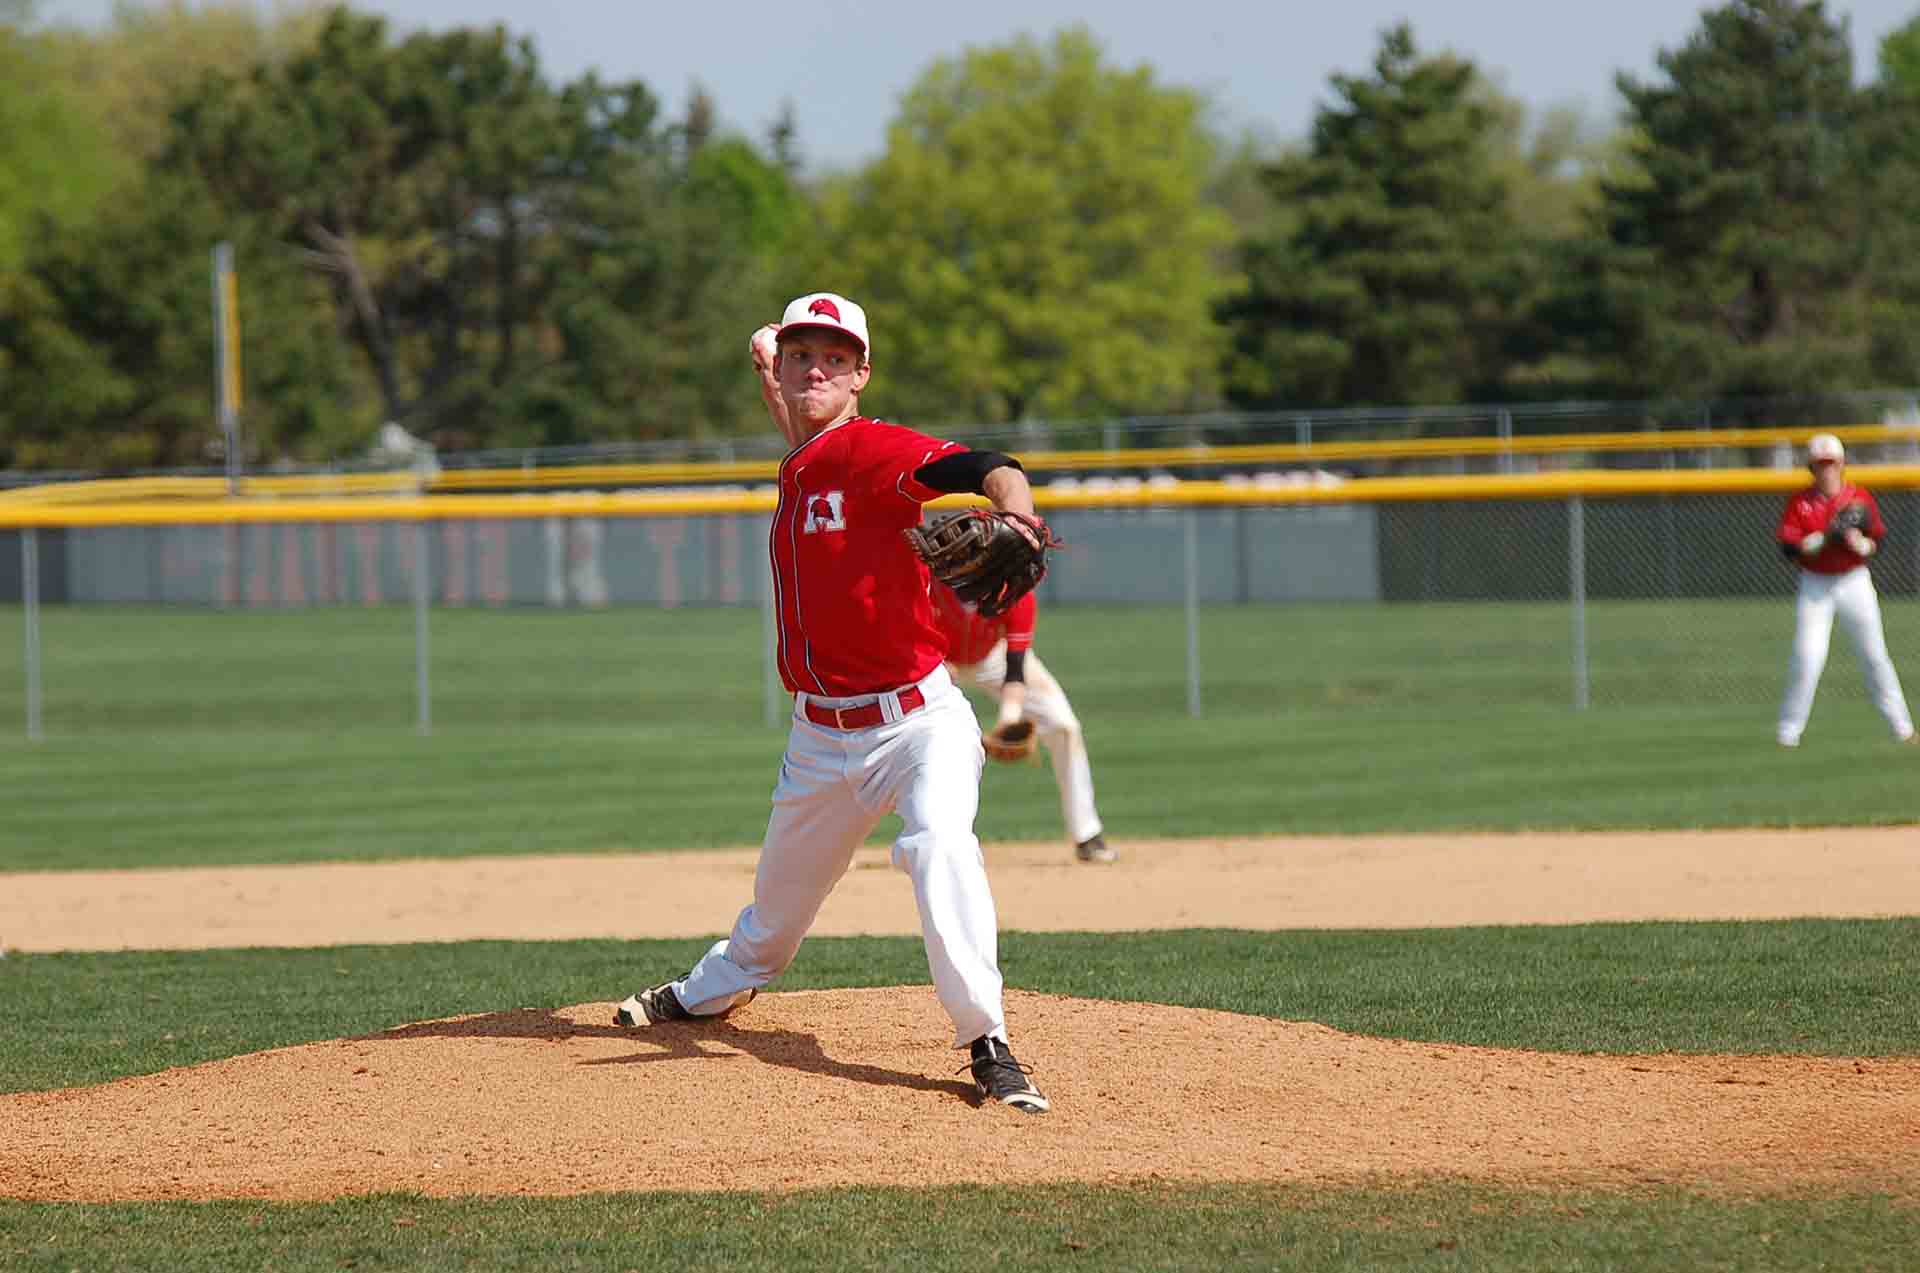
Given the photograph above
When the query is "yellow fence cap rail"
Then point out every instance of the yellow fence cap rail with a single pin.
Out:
(1115, 493)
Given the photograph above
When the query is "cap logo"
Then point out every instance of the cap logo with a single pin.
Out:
(825, 306)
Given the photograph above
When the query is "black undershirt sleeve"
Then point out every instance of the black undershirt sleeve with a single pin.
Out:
(1017, 666)
(963, 472)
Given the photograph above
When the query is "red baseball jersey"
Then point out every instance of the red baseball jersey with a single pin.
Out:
(971, 635)
(1809, 511)
(852, 604)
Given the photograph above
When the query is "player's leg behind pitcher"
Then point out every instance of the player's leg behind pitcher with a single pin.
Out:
(1059, 731)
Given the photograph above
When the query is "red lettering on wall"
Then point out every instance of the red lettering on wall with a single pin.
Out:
(492, 556)
(367, 541)
(293, 565)
(453, 538)
(260, 565)
(327, 563)
(664, 535)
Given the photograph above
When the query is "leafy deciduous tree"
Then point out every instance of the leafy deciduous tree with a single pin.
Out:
(1034, 242)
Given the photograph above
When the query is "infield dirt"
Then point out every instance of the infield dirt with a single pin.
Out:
(829, 1088)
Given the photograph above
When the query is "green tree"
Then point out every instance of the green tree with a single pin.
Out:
(1551, 163)
(1900, 58)
(1393, 270)
(1737, 251)
(1890, 137)
(1035, 241)
(106, 343)
(131, 70)
(57, 159)
(516, 263)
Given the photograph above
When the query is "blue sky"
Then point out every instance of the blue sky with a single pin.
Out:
(845, 63)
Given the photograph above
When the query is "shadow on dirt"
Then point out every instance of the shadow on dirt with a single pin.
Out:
(711, 1040)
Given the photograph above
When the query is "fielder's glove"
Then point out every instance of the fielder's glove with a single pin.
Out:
(1010, 741)
(989, 557)
(1847, 517)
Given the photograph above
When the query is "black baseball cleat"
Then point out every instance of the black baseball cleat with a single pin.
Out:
(1001, 1078)
(1094, 849)
(651, 1007)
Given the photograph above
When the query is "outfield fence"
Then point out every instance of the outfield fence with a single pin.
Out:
(1577, 562)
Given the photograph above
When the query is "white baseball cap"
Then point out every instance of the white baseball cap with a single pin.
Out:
(1824, 446)
(829, 310)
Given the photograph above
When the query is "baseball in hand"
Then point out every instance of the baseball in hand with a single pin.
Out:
(1813, 543)
(763, 347)
(1859, 543)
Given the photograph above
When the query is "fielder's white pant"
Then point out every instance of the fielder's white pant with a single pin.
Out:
(1058, 729)
(1852, 598)
(835, 786)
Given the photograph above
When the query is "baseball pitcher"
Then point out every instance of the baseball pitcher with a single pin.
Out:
(878, 725)
(1829, 530)
(995, 654)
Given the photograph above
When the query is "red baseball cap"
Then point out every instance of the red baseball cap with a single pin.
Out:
(831, 311)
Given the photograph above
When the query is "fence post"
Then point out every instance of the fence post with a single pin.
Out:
(1670, 536)
(1503, 425)
(30, 603)
(422, 692)
(1577, 586)
(1193, 610)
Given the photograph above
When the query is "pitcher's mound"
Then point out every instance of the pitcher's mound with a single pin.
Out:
(857, 1087)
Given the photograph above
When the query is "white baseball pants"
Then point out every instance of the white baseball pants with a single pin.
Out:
(1058, 730)
(835, 786)
(1850, 596)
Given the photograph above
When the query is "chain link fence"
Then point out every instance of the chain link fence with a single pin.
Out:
(1565, 603)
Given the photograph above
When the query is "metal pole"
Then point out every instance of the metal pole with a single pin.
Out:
(226, 359)
(30, 599)
(1577, 585)
(422, 691)
(769, 641)
(1504, 422)
(1193, 611)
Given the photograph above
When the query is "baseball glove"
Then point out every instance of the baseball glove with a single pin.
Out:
(1847, 517)
(989, 557)
(1010, 742)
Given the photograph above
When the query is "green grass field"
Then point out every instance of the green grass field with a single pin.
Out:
(183, 737)
(178, 736)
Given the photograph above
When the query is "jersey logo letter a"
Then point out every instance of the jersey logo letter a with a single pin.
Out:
(826, 511)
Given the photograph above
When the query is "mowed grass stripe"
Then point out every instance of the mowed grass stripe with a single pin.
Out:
(1024, 1225)
(1816, 987)
(187, 737)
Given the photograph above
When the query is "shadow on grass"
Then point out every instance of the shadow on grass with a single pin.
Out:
(678, 1041)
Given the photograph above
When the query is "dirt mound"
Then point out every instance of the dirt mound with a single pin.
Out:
(827, 1088)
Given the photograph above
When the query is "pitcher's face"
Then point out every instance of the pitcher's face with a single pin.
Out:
(821, 375)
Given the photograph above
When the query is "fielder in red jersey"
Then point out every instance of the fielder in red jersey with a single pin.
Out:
(878, 726)
(996, 655)
(971, 636)
(1829, 530)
